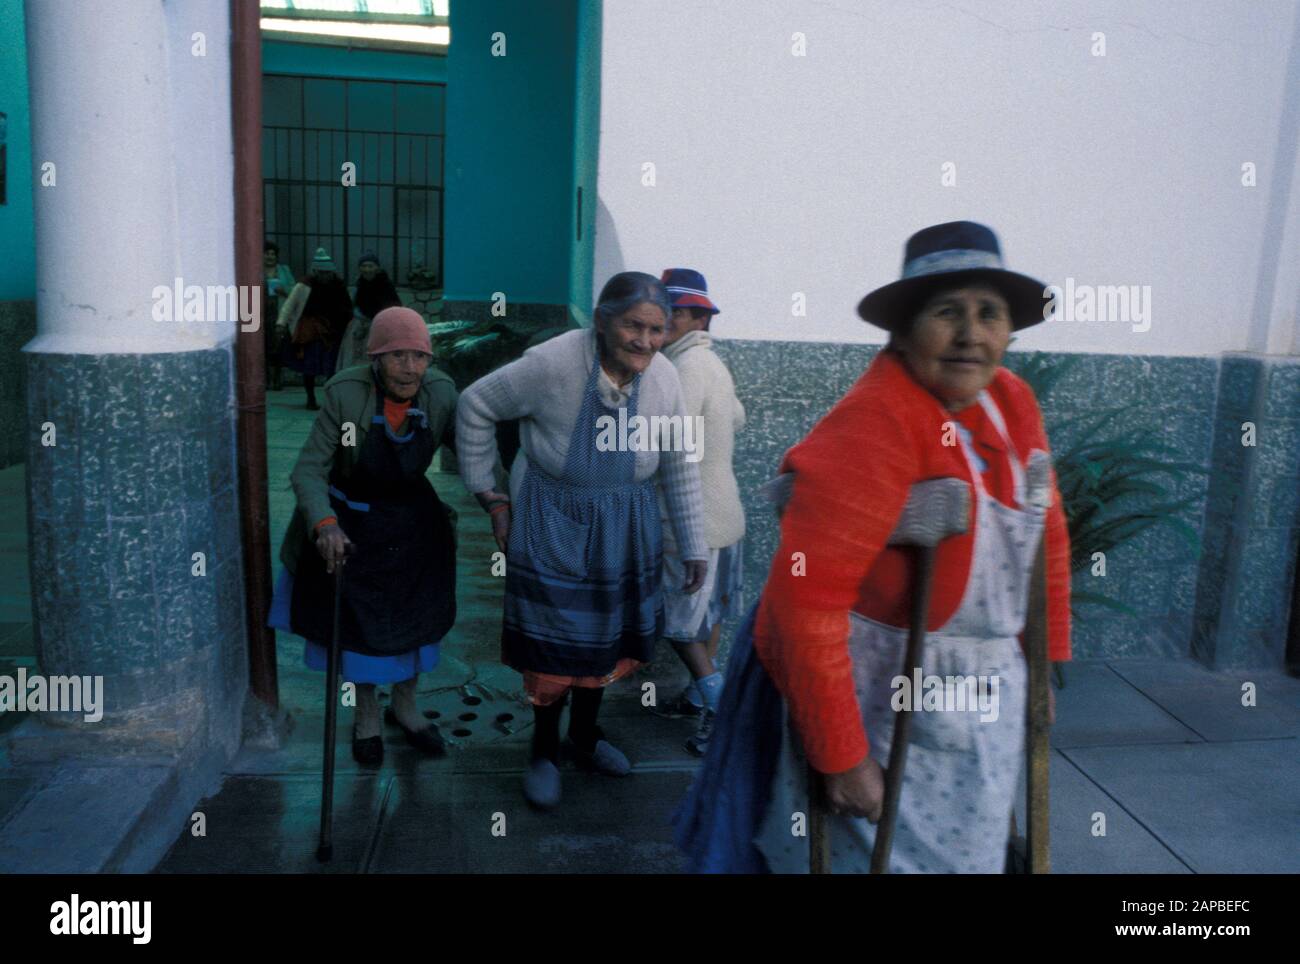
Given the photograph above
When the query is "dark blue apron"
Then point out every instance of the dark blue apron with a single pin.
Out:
(399, 586)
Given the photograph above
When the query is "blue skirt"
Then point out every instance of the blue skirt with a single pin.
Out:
(724, 809)
(357, 667)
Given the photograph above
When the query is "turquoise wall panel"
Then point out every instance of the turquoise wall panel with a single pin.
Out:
(17, 217)
(1227, 604)
(586, 147)
(510, 134)
(325, 60)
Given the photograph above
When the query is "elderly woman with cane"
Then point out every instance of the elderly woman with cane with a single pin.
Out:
(581, 527)
(831, 627)
(360, 483)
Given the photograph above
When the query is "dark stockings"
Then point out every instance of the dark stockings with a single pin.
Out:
(309, 383)
(583, 730)
(546, 730)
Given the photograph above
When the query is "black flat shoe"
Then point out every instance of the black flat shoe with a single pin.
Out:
(428, 741)
(368, 752)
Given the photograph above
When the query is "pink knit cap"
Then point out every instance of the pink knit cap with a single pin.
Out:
(398, 329)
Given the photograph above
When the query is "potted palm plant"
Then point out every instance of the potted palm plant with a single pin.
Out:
(1115, 483)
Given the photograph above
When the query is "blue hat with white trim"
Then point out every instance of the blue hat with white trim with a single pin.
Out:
(944, 255)
(688, 289)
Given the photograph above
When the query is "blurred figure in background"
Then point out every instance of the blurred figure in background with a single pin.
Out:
(312, 323)
(375, 292)
(279, 282)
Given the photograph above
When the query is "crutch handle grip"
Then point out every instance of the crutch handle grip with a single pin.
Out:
(935, 510)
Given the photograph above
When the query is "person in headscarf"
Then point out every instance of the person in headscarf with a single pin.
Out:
(312, 323)
(581, 528)
(375, 292)
(368, 489)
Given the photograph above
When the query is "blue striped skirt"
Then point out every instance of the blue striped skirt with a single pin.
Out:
(582, 576)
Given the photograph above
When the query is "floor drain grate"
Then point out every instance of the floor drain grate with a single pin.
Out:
(467, 717)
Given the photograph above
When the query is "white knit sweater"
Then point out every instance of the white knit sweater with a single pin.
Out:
(544, 389)
(708, 391)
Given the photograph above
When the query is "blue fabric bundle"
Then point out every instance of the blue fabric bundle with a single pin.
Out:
(717, 822)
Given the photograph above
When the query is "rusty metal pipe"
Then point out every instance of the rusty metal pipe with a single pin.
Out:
(250, 361)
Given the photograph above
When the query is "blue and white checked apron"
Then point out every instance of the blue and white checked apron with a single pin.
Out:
(962, 772)
(583, 559)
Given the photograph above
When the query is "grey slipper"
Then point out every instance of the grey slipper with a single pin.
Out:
(542, 784)
(606, 758)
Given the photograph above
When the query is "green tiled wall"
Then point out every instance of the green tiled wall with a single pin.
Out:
(1247, 498)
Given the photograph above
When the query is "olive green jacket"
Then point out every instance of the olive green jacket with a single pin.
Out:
(349, 397)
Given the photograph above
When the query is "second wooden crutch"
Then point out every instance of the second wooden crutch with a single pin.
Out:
(935, 510)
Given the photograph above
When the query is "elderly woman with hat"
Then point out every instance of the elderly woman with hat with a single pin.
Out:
(360, 481)
(312, 321)
(581, 529)
(935, 402)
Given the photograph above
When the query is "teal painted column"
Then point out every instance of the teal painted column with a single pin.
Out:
(1252, 515)
(586, 153)
(509, 218)
(18, 266)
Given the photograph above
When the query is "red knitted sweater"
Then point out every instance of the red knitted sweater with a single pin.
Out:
(852, 474)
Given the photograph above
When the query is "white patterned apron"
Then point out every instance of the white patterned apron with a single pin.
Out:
(961, 772)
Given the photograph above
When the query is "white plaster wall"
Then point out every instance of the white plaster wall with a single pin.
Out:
(138, 128)
(778, 174)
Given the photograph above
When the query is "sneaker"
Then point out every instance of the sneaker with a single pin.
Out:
(698, 743)
(677, 708)
(542, 784)
(606, 758)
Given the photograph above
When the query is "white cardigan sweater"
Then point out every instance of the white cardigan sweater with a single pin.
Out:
(544, 389)
(708, 391)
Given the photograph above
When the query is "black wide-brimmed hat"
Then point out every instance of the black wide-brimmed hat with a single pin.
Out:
(959, 252)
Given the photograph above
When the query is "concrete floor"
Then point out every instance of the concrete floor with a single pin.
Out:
(416, 814)
(1186, 779)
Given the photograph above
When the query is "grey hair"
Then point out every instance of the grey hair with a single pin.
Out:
(626, 290)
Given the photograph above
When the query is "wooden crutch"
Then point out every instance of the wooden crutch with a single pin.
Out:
(935, 510)
(1033, 853)
(1038, 741)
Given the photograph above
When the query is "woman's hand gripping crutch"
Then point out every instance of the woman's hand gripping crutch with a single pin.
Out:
(935, 510)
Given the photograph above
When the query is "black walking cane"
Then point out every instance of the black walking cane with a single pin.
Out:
(325, 848)
(935, 510)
